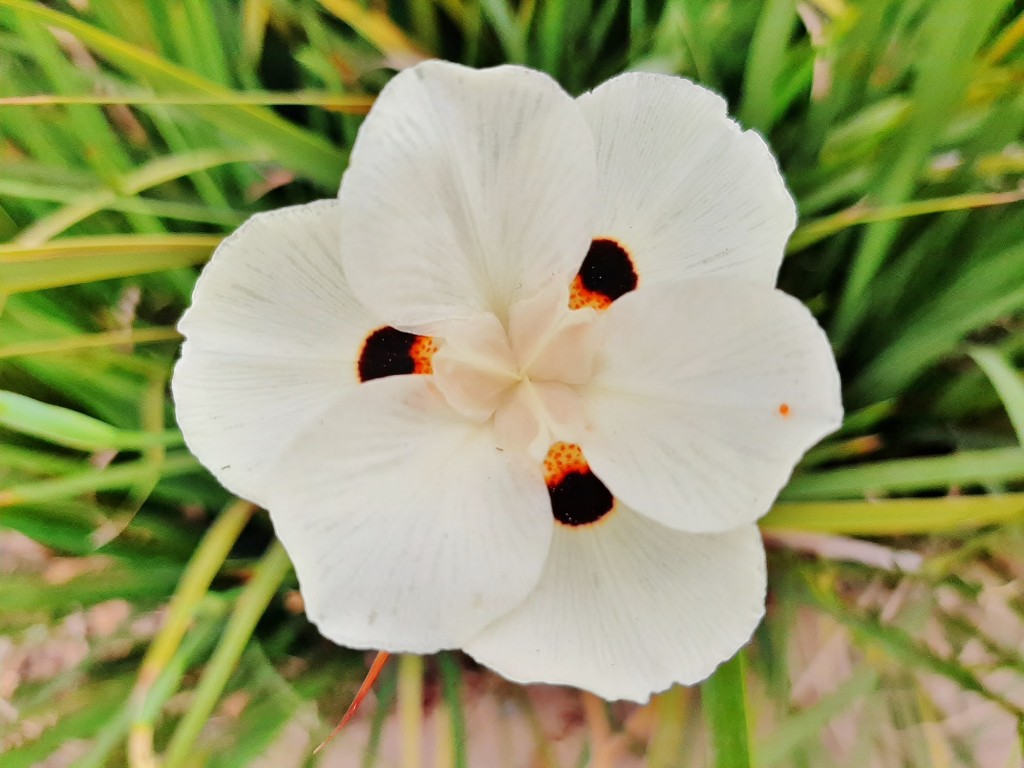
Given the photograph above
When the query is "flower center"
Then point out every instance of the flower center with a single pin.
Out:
(524, 376)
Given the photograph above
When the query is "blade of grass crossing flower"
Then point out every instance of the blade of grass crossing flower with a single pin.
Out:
(252, 602)
(291, 145)
(1007, 381)
(724, 701)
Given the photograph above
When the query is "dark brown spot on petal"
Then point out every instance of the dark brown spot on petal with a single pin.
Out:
(390, 352)
(607, 273)
(578, 497)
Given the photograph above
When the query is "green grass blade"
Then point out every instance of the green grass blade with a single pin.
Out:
(724, 699)
(953, 33)
(451, 690)
(503, 20)
(1007, 381)
(379, 30)
(294, 147)
(152, 174)
(252, 602)
(71, 261)
(896, 517)
(91, 480)
(765, 61)
(964, 468)
(72, 429)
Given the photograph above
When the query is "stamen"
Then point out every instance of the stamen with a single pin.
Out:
(607, 273)
(390, 352)
(578, 497)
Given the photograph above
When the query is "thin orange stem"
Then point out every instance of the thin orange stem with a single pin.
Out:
(371, 677)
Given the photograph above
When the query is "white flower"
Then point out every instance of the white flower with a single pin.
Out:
(526, 386)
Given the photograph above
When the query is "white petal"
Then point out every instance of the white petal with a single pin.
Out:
(682, 187)
(475, 365)
(272, 338)
(408, 529)
(705, 396)
(551, 341)
(627, 607)
(276, 288)
(466, 191)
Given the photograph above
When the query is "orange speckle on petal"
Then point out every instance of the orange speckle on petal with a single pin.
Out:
(390, 352)
(562, 459)
(607, 273)
(784, 410)
(578, 497)
(581, 297)
(422, 354)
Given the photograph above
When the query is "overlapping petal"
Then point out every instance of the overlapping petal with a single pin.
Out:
(272, 339)
(682, 187)
(706, 394)
(627, 607)
(409, 530)
(466, 192)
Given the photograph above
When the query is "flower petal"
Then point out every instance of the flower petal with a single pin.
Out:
(681, 186)
(272, 338)
(408, 529)
(705, 397)
(467, 191)
(627, 607)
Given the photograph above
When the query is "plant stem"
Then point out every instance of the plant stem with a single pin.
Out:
(410, 709)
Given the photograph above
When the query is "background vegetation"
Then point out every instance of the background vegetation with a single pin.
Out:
(158, 624)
